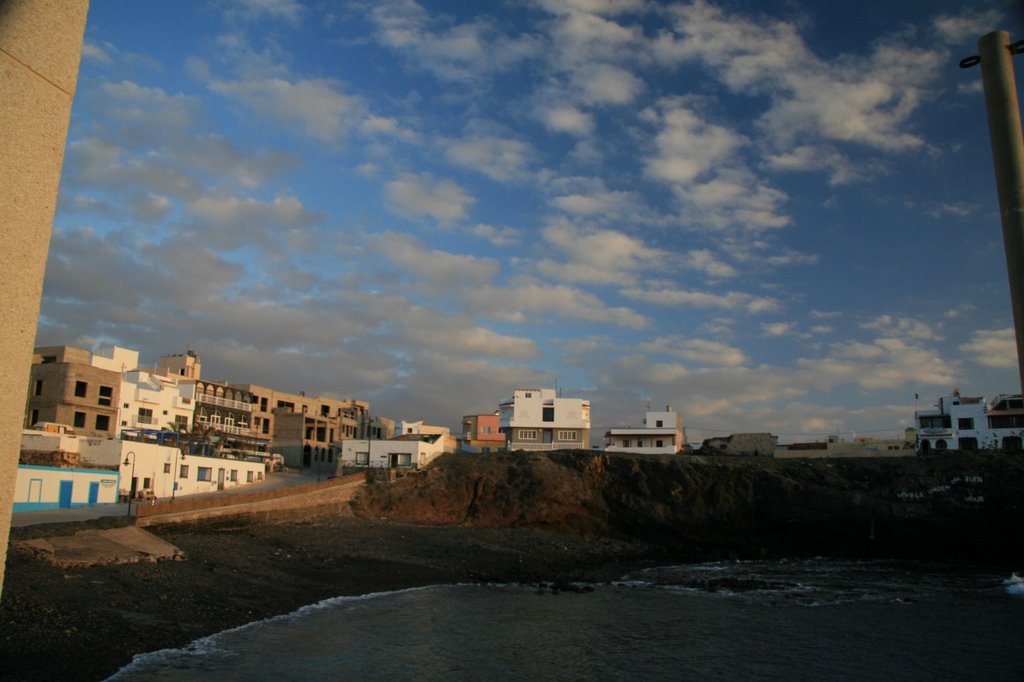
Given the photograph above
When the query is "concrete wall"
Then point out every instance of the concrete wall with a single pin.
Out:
(40, 49)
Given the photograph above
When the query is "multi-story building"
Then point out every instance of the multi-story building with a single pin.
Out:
(302, 429)
(481, 433)
(417, 445)
(153, 400)
(963, 423)
(537, 419)
(227, 410)
(661, 434)
(78, 388)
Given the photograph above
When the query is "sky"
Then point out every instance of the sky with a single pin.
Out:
(771, 216)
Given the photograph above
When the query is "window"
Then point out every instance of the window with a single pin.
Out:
(167, 467)
(968, 444)
(965, 424)
(627, 443)
(79, 420)
(147, 483)
(205, 473)
(566, 435)
(404, 459)
(102, 422)
(659, 443)
(234, 475)
(145, 415)
(49, 359)
(183, 471)
(527, 434)
(35, 416)
(181, 420)
(528, 394)
(548, 414)
(80, 388)
(106, 396)
(658, 424)
(939, 421)
(486, 429)
(363, 458)
(248, 477)
(37, 389)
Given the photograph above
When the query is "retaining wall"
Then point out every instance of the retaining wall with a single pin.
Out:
(306, 501)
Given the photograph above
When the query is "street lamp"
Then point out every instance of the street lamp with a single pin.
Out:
(131, 487)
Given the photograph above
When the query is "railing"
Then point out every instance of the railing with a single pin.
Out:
(224, 402)
(534, 445)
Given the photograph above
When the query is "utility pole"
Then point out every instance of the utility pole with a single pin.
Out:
(1004, 129)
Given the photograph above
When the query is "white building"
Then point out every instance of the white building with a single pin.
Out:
(408, 450)
(153, 400)
(661, 434)
(42, 487)
(961, 423)
(148, 470)
(537, 419)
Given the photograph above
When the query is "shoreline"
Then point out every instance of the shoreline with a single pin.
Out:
(88, 623)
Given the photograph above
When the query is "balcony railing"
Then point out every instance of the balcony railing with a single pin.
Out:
(224, 402)
(534, 445)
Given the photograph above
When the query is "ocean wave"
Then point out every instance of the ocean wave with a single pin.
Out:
(1014, 584)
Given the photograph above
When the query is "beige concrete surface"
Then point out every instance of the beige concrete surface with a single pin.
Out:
(94, 547)
(40, 49)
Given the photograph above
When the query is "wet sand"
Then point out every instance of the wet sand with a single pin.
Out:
(86, 623)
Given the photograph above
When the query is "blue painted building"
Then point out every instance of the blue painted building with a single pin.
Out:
(40, 487)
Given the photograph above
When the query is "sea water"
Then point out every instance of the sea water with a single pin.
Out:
(790, 620)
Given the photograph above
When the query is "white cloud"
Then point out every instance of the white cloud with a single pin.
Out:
(700, 351)
(438, 270)
(567, 119)
(315, 107)
(417, 195)
(599, 203)
(732, 300)
(992, 348)
(460, 52)
(597, 256)
(499, 158)
(523, 302)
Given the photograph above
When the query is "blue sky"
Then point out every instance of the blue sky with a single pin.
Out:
(773, 219)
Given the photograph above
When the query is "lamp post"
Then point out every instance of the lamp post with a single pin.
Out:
(131, 487)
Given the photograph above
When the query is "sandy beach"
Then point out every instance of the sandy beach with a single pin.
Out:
(86, 623)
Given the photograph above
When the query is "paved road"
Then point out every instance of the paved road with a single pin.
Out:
(278, 479)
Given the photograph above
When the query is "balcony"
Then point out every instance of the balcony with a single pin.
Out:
(540, 447)
(224, 402)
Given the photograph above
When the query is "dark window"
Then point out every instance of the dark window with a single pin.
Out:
(1012, 443)
(49, 359)
(659, 443)
(80, 388)
(38, 388)
(183, 471)
(102, 422)
(80, 420)
(106, 395)
(549, 414)
(1006, 421)
(967, 444)
(659, 424)
(35, 417)
(167, 467)
(939, 421)
(965, 423)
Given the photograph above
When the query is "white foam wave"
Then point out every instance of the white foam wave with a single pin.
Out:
(1014, 584)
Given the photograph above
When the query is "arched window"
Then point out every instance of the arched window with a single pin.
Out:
(941, 444)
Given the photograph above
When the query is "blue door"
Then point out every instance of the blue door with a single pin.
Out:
(94, 492)
(65, 494)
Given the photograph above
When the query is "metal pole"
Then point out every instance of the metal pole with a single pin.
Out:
(1004, 129)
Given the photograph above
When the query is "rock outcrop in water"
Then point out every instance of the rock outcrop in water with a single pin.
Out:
(956, 505)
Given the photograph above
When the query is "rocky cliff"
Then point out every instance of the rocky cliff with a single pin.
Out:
(955, 505)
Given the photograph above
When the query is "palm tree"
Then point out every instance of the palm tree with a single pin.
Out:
(205, 433)
(179, 430)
